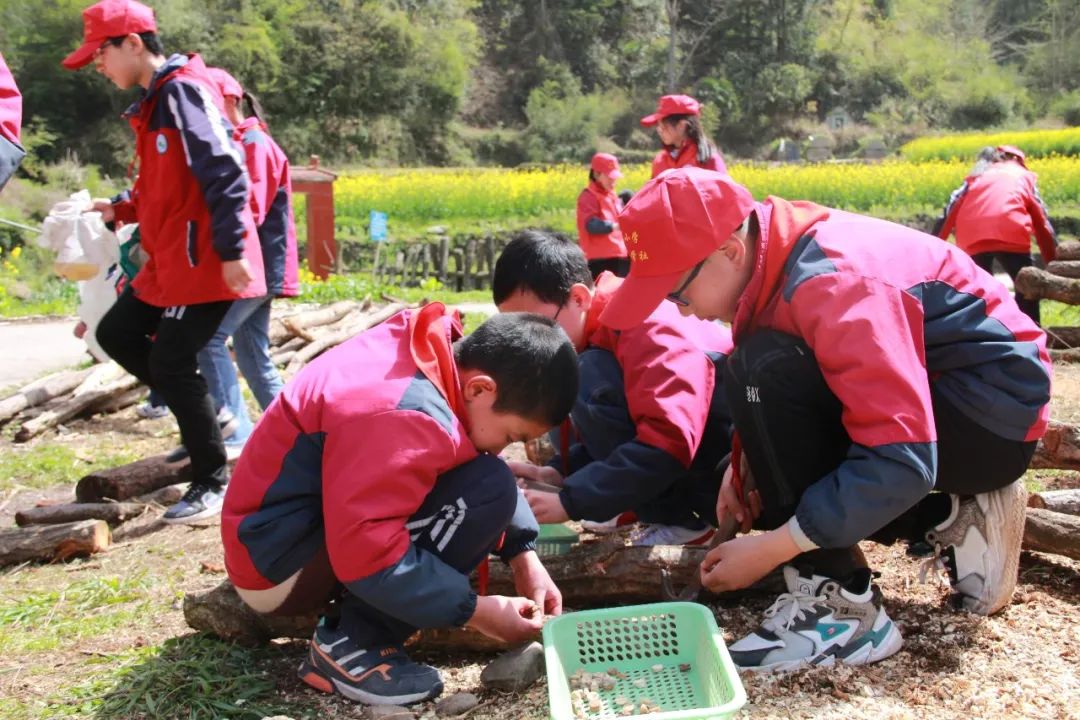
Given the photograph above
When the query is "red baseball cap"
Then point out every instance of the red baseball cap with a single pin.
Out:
(672, 105)
(1015, 152)
(109, 19)
(674, 222)
(226, 83)
(607, 164)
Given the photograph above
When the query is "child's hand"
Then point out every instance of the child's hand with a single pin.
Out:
(546, 506)
(728, 502)
(510, 619)
(237, 274)
(539, 473)
(103, 206)
(743, 561)
(531, 579)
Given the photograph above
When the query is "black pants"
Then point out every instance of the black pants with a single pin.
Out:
(792, 435)
(1012, 264)
(619, 266)
(159, 346)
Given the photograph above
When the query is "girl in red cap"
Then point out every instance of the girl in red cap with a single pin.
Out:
(678, 123)
(598, 208)
(994, 213)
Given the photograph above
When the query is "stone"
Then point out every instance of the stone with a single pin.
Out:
(516, 669)
(388, 712)
(456, 704)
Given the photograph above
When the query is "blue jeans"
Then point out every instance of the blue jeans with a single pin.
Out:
(248, 323)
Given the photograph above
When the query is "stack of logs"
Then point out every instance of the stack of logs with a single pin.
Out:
(1060, 281)
(295, 340)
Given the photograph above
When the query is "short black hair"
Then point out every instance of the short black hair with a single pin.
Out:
(531, 360)
(150, 40)
(545, 263)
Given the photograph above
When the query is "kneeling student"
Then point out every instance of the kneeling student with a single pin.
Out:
(375, 470)
(650, 424)
(873, 365)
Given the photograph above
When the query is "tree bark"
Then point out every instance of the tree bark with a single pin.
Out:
(42, 390)
(281, 329)
(53, 542)
(1036, 284)
(1059, 448)
(329, 340)
(1061, 501)
(1064, 268)
(1062, 338)
(1052, 532)
(1068, 251)
(128, 481)
(1072, 355)
(112, 513)
(106, 380)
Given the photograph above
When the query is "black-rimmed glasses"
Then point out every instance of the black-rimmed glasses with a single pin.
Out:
(676, 296)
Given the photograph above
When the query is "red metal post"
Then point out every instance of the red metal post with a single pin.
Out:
(318, 185)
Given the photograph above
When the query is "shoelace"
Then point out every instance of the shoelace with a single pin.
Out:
(788, 608)
(195, 492)
(933, 564)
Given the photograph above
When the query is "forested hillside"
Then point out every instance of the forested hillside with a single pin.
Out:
(460, 82)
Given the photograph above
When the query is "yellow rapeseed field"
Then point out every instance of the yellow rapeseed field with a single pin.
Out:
(1034, 143)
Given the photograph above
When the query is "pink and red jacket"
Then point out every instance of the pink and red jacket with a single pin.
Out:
(997, 211)
(597, 213)
(669, 364)
(686, 155)
(11, 152)
(271, 206)
(191, 193)
(345, 456)
(890, 312)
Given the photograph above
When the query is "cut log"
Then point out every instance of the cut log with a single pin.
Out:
(1062, 338)
(1052, 532)
(1062, 501)
(117, 401)
(1064, 268)
(53, 542)
(106, 380)
(42, 390)
(282, 329)
(112, 513)
(1035, 284)
(164, 497)
(1072, 355)
(128, 481)
(1068, 251)
(329, 340)
(291, 344)
(1059, 448)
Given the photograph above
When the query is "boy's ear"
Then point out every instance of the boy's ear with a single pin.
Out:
(479, 385)
(581, 296)
(734, 250)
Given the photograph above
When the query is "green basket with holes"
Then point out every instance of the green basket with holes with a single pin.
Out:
(555, 539)
(669, 654)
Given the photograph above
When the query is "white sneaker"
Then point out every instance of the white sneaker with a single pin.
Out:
(151, 412)
(656, 534)
(603, 527)
(818, 622)
(979, 546)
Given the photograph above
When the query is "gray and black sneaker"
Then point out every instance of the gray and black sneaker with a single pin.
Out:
(228, 424)
(201, 501)
(820, 622)
(979, 546)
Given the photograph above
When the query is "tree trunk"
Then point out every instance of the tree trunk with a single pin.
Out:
(1064, 268)
(106, 380)
(1059, 448)
(1062, 501)
(128, 481)
(53, 542)
(1052, 532)
(281, 329)
(1036, 284)
(42, 390)
(112, 513)
(1072, 355)
(329, 340)
(1068, 251)
(1062, 338)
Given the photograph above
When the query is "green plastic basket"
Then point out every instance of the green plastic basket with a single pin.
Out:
(634, 639)
(555, 539)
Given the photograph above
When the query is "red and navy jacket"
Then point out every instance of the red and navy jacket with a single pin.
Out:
(191, 193)
(890, 312)
(686, 155)
(669, 365)
(11, 152)
(997, 211)
(345, 456)
(597, 213)
(271, 206)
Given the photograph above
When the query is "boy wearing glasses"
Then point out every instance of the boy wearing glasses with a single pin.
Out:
(190, 199)
(649, 426)
(873, 364)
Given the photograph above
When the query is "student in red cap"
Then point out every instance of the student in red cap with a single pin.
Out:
(11, 152)
(650, 424)
(191, 202)
(873, 364)
(598, 208)
(994, 213)
(248, 321)
(678, 123)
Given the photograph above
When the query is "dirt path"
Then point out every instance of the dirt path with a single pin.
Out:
(29, 349)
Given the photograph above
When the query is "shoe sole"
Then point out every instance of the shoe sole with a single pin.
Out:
(313, 672)
(188, 520)
(865, 655)
(1009, 503)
